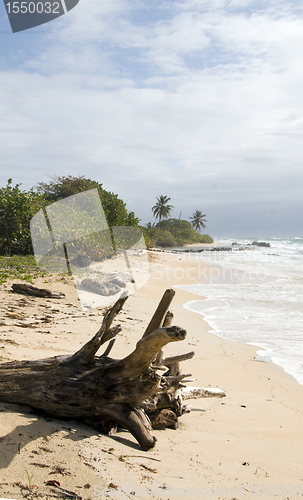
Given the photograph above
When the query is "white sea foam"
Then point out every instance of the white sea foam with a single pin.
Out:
(257, 299)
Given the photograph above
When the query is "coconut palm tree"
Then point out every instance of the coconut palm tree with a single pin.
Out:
(198, 220)
(161, 209)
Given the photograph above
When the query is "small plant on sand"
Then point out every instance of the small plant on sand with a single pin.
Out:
(29, 479)
(29, 490)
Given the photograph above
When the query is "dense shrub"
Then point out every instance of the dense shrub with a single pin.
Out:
(162, 238)
(175, 232)
(114, 208)
(205, 238)
(17, 208)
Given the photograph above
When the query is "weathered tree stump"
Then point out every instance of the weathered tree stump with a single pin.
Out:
(103, 392)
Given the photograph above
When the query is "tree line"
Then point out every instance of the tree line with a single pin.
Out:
(170, 232)
(162, 210)
(17, 207)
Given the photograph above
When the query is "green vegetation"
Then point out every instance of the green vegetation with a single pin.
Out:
(198, 220)
(175, 232)
(161, 210)
(114, 208)
(19, 267)
(29, 479)
(17, 207)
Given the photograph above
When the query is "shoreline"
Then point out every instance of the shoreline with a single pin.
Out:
(189, 279)
(258, 349)
(211, 274)
(192, 248)
(224, 447)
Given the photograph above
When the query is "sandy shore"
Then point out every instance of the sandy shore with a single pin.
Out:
(246, 445)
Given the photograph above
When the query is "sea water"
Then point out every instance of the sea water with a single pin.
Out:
(254, 295)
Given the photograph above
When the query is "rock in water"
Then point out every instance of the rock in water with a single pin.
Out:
(260, 244)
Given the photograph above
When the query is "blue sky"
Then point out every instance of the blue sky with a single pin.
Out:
(199, 100)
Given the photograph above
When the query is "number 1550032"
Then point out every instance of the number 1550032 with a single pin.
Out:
(33, 8)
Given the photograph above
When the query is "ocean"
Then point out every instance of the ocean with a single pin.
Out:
(254, 295)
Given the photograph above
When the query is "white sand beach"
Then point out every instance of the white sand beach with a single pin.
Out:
(245, 445)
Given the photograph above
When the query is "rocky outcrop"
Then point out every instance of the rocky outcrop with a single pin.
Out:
(81, 261)
(260, 244)
(105, 288)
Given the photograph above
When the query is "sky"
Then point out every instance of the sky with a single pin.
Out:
(198, 100)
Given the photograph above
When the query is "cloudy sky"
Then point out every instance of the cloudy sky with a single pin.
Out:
(199, 100)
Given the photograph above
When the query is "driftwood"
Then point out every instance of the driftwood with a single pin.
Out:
(103, 392)
(200, 392)
(36, 292)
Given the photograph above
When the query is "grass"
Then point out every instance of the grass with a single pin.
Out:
(29, 478)
(19, 267)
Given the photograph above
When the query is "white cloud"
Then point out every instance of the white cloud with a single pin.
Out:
(204, 96)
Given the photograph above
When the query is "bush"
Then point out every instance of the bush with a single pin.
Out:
(147, 237)
(182, 231)
(16, 210)
(205, 238)
(173, 232)
(162, 238)
(114, 208)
